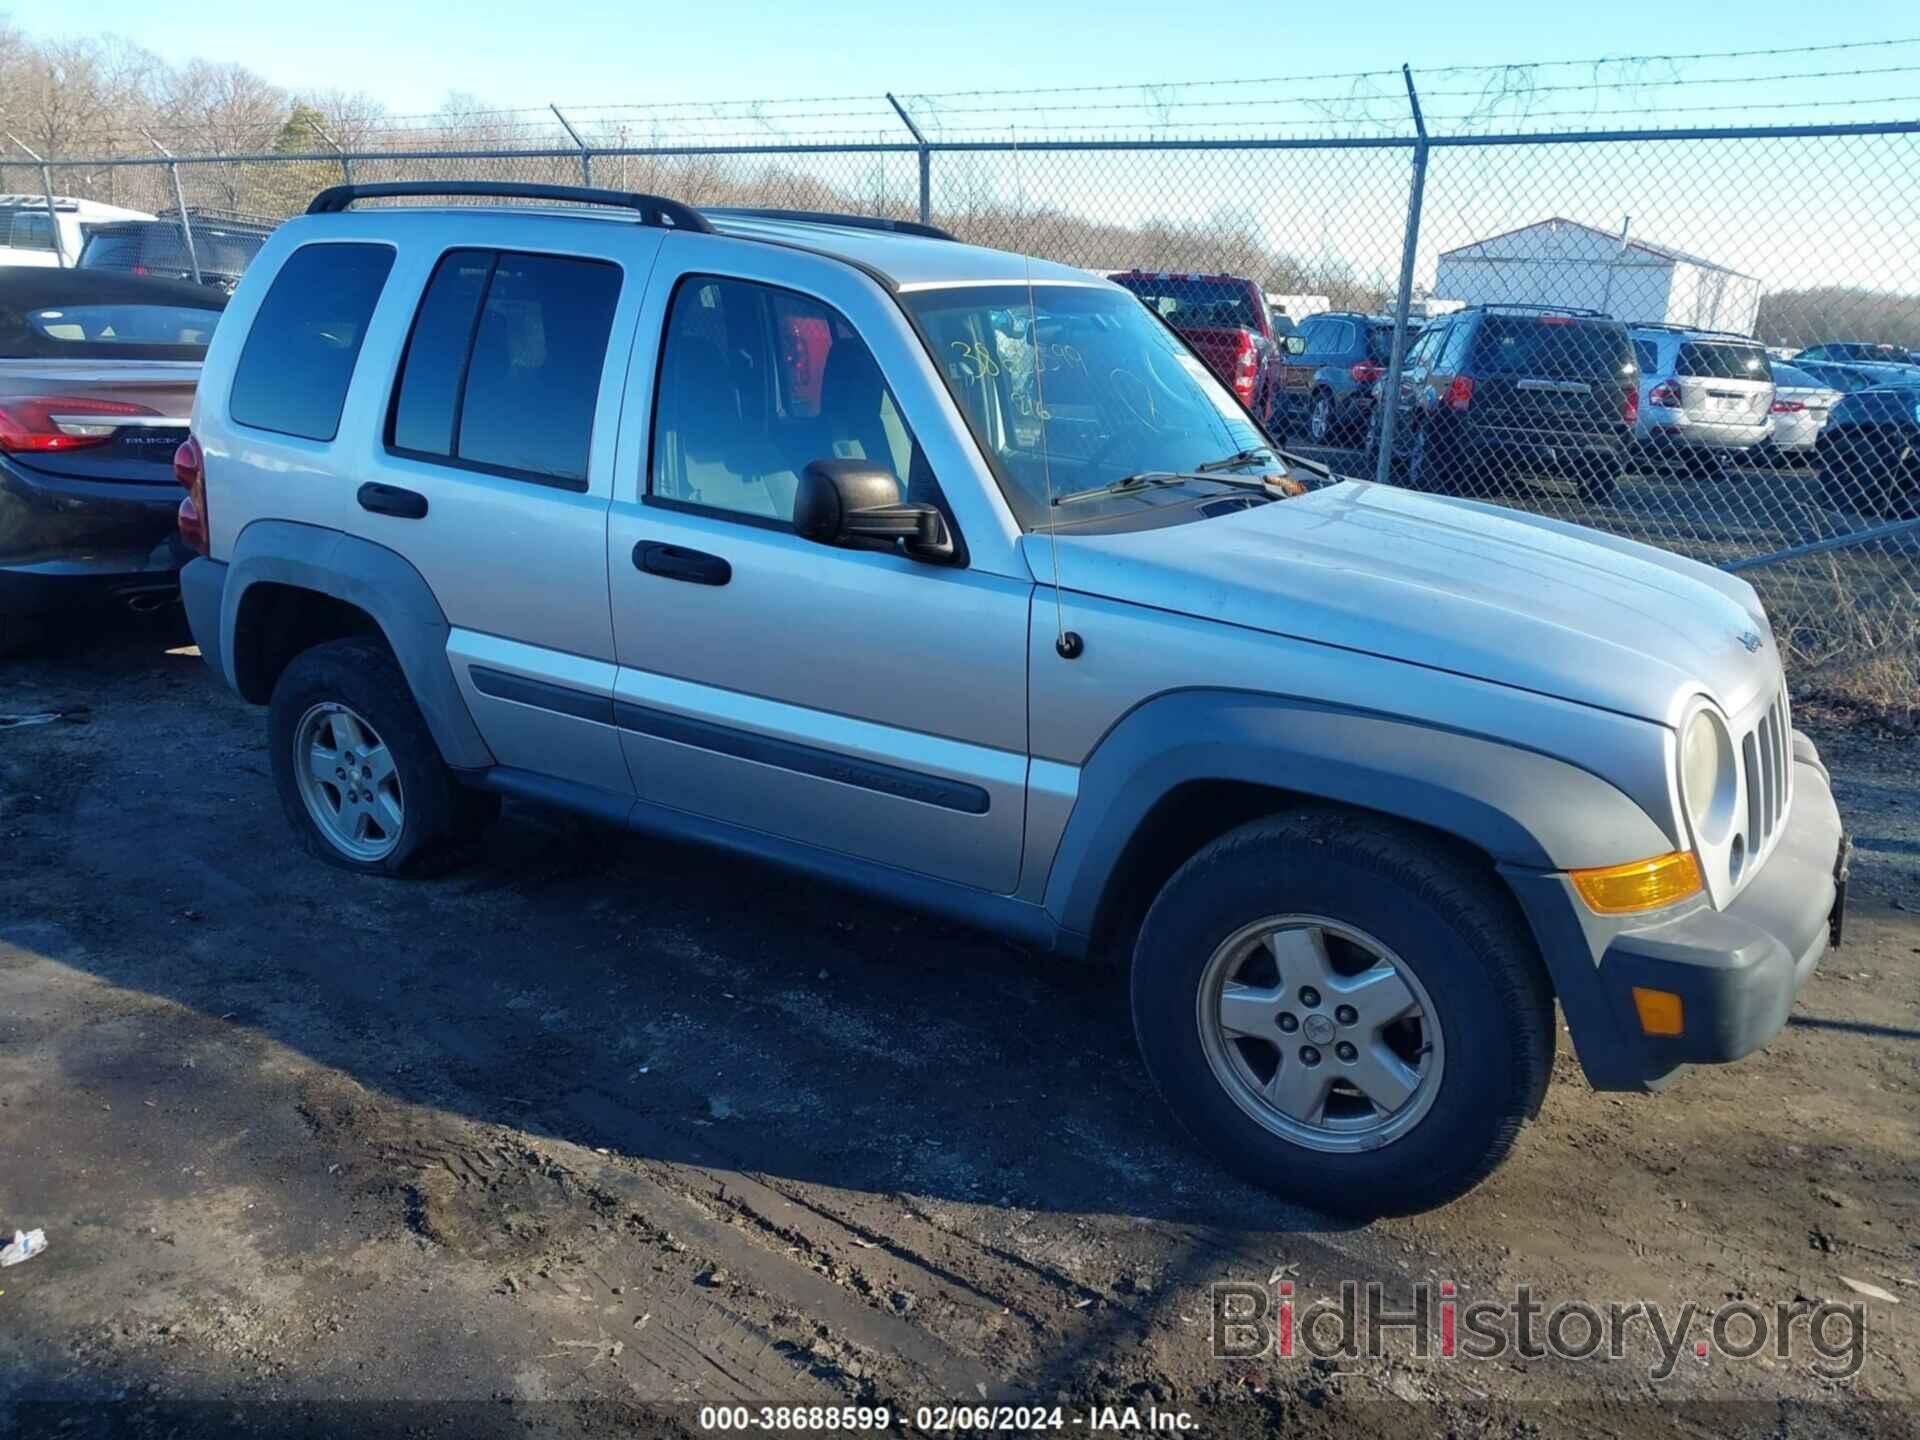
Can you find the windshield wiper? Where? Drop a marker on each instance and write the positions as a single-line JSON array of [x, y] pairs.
[[1145, 480], [1239, 458]]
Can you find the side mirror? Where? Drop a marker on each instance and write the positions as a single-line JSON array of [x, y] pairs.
[[856, 502]]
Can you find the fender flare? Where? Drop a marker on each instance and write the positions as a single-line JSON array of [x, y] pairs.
[[374, 579], [1523, 809]]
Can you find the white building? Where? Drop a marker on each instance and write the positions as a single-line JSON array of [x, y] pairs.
[[1562, 262], [1298, 307]]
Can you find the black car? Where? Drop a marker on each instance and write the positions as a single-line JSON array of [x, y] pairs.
[[1868, 452], [224, 244], [1495, 391], [97, 375], [1327, 374]]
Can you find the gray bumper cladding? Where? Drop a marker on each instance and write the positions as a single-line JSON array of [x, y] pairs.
[[203, 585], [1736, 970]]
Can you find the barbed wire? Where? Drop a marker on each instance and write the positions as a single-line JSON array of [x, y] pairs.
[[1507, 96]]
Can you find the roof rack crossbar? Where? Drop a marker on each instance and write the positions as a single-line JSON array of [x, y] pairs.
[[1679, 329], [652, 209], [1539, 309], [829, 217]]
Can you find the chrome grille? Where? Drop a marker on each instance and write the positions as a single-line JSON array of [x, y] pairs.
[[1767, 754]]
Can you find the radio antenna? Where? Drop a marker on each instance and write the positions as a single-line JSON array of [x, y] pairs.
[[1067, 644]]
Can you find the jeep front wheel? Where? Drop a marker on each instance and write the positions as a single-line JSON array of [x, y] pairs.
[[1343, 1011], [357, 770]]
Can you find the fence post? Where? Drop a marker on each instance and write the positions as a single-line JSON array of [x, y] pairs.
[[1390, 387], [180, 200], [926, 160], [46, 189], [586, 155], [346, 160]]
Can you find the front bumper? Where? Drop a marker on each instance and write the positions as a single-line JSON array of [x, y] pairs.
[[1735, 970]]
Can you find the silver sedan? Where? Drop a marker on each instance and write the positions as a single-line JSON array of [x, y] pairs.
[[1801, 404]]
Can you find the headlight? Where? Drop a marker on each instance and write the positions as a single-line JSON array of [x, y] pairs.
[[1706, 776]]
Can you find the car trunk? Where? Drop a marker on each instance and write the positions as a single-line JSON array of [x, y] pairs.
[[1723, 382], [1551, 374], [140, 449]]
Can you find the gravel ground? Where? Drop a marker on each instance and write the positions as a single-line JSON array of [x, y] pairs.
[[593, 1131]]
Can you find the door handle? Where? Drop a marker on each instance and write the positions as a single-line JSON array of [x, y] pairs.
[[676, 562], [392, 500]]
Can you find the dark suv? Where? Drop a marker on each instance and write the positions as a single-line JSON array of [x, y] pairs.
[[224, 244], [1496, 390], [1328, 372]]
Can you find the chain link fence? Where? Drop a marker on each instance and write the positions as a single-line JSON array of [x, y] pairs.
[[1703, 339]]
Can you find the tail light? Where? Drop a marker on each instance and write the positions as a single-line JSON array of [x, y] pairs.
[[1787, 407], [1460, 393], [1665, 395], [41, 423], [1246, 366], [1556, 319], [1630, 406], [1366, 372], [190, 469]]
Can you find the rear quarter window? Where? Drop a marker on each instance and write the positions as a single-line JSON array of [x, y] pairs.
[[299, 356]]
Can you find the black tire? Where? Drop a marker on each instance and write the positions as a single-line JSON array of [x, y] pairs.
[[1323, 420], [1448, 921], [362, 675], [1424, 470]]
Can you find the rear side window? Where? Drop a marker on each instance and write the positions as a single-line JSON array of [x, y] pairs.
[[31, 231], [298, 360], [1552, 347], [1380, 343], [1714, 360], [502, 371]]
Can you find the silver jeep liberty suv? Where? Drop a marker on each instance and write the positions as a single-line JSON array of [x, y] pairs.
[[954, 577]]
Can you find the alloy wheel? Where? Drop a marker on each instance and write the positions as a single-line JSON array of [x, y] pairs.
[[1320, 1033], [348, 782]]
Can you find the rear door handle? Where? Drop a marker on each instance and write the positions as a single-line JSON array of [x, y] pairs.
[[392, 500], [675, 562]]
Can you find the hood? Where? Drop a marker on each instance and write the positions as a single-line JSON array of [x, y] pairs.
[[1476, 589]]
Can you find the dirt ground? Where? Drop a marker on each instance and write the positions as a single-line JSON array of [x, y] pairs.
[[595, 1131]]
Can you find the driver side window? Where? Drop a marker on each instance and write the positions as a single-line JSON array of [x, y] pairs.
[[755, 384]]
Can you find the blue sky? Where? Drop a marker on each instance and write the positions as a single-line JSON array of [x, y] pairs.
[[410, 55]]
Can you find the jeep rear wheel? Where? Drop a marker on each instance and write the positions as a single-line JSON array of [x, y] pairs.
[[1343, 1011], [357, 770]]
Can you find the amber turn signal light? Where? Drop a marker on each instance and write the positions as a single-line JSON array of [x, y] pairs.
[[1660, 1011], [1639, 884]]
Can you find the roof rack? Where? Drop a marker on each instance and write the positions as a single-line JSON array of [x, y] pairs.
[[1524, 309], [829, 217], [652, 209], [1670, 328]]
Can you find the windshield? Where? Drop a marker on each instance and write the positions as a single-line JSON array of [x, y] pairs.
[[1083, 389], [1193, 304]]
